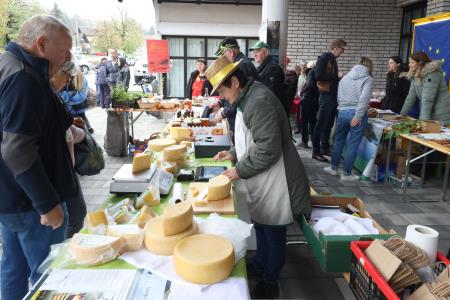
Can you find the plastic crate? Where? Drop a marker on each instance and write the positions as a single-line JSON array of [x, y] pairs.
[[365, 280]]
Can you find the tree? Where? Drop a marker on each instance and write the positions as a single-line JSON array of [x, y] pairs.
[[58, 13]]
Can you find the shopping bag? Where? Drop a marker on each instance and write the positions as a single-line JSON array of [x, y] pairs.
[[89, 158]]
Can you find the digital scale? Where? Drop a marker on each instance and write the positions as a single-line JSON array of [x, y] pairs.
[[124, 181]]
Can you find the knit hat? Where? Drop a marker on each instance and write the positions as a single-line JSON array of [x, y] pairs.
[[219, 71]]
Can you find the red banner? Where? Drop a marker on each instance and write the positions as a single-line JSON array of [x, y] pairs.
[[158, 56]]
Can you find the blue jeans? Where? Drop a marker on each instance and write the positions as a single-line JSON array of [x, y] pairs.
[[325, 121], [354, 134], [271, 251], [26, 243]]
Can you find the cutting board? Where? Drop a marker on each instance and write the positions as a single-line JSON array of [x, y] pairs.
[[224, 206]]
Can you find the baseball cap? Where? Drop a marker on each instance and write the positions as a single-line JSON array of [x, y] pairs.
[[226, 43], [259, 45]]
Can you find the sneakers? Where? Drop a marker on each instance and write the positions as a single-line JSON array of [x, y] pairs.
[[350, 177], [331, 171], [265, 290]]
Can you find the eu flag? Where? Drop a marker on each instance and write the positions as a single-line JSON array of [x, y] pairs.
[[433, 38]]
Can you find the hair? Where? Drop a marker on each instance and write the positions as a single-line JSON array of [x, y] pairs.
[[103, 59], [397, 59], [41, 25], [367, 62], [338, 43], [201, 60], [77, 80], [421, 58], [241, 77]]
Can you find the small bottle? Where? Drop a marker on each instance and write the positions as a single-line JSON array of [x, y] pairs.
[[206, 95]]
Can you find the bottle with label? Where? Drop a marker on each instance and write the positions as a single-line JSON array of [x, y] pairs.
[[206, 95]]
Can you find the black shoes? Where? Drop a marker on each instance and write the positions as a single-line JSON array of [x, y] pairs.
[[319, 157], [326, 153], [265, 290], [305, 145]]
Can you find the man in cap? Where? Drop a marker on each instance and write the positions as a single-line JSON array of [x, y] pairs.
[[269, 166], [270, 73]]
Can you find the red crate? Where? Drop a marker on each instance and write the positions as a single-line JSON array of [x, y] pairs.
[[365, 280]]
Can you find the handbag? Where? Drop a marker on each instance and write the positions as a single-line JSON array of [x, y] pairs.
[[89, 158], [91, 98]]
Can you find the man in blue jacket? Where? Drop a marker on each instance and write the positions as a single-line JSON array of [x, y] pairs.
[[35, 166]]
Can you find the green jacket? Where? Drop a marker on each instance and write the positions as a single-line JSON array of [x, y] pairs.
[[265, 117], [432, 92]]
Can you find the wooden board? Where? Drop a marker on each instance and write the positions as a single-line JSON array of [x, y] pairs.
[[224, 207]]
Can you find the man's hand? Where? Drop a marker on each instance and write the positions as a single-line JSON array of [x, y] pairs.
[[54, 218], [79, 122], [355, 122], [223, 155], [218, 117], [231, 173], [214, 106]]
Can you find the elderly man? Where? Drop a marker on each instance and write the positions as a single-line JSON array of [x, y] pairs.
[[270, 73], [269, 166], [35, 168]]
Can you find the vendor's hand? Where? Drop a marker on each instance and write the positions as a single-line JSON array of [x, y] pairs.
[[223, 155], [54, 218], [355, 122], [218, 117], [215, 105], [231, 173], [79, 122]]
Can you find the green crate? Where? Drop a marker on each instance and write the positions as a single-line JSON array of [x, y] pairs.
[[333, 251]]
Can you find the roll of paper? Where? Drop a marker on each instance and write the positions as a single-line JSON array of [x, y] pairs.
[[425, 238], [178, 193]]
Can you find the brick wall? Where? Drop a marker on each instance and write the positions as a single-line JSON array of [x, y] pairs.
[[370, 27], [437, 6]]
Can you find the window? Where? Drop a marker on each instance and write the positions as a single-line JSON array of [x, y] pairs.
[[410, 13], [184, 51]]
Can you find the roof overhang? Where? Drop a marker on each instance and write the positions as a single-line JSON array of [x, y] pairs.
[[230, 2]]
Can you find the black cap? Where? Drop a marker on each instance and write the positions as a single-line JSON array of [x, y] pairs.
[[226, 43]]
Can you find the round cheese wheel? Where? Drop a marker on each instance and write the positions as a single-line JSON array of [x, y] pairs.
[[91, 249], [204, 258], [218, 188], [159, 145], [157, 243], [177, 218], [174, 153]]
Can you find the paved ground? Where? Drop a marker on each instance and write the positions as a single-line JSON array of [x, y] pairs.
[[302, 277]]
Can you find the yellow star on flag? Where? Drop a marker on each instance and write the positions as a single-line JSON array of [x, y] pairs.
[[430, 48], [437, 51], [442, 60]]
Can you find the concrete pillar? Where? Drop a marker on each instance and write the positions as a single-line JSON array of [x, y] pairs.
[[273, 28]]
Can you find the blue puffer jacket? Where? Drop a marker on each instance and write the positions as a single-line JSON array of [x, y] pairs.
[[75, 101]]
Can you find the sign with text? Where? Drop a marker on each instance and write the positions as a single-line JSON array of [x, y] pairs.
[[158, 56]]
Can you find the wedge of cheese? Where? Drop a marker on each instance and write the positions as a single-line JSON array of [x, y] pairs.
[[91, 249], [150, 197], [143, 216], [187, 143], [96, 218], [132, 236], [156, 242], [179, 133], [168, 166], [141, 162], [159, 145], [204, 258], [174, 153], [218, 188], [177, 218]]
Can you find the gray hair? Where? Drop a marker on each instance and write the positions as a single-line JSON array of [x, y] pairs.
[[41, 25], [69, 68]]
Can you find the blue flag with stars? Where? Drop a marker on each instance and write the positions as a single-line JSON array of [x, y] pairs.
[[433, 38]]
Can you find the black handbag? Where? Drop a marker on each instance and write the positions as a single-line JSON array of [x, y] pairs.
[[89, 158]]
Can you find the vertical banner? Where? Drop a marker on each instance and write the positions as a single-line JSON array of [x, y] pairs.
[[158, 56], [432, 37]]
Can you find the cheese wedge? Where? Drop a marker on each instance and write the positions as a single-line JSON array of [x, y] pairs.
[[143, 216], [141, 162], [174, 153], [132, 236], [168, 166], [218, 188], [194, 190], [187, 143], [150, 197], [96, 218], [156, 242], [200, 202], [179, 133], [91, 249], [177, 218], [159, 145], [204, 258]]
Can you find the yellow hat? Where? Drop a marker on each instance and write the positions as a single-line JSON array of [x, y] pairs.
[[219, 71]]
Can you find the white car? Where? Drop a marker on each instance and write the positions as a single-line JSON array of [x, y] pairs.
[[141, 70], [83, 64]]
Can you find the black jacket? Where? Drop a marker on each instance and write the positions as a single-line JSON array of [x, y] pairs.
[[206, 85], [397, 88], [272, 75], [310, 92], [327, 70]]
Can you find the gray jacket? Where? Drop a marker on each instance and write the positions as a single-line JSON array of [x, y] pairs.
[[264, 116], [432, 92], [355, 91]]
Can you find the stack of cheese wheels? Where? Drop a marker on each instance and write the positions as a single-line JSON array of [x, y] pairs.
[[218, 188], [174, 153], [176, 223], [132, 235], [204, 258], [91, 249], [180, 133], [159, 145]]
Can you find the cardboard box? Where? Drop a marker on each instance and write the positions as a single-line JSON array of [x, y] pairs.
[[333, 251], [430, 126]]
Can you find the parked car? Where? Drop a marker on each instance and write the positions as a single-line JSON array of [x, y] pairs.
[[84, 65], [141, 70]]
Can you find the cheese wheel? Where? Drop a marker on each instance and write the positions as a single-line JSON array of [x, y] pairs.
[[141, 162], [179, 133], [204, 258], [132, 235], [177, 218], [157, 243], [218, 188], [91, 249], [143, 216], [159, 145], [174, 153], [96, 218]]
